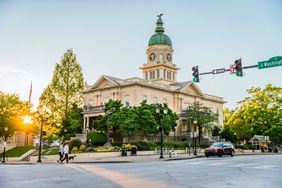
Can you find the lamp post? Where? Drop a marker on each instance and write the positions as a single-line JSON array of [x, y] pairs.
[[40, 139], [161, 129], [108, 113], [194, 137], [5, 143]]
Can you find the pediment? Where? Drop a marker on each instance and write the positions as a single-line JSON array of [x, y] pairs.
[[192, 89], [103, 82]]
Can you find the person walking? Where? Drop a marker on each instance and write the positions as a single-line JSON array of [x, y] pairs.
[[61, 152], [66, 153]]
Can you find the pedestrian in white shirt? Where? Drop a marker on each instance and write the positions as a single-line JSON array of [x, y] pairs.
[[66, 152], [61, 152]]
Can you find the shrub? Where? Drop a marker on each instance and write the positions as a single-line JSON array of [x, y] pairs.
[[176, 144], [97, 138], [82, 147], [245, 146], [68, 135], [75, 143], [143, 146], [130, 146], [74, 149]]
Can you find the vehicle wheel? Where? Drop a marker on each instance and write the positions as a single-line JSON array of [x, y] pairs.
[[232, 153], [207, 155], [220, 154]]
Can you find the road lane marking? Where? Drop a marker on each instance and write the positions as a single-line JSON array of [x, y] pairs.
[[125, 180]]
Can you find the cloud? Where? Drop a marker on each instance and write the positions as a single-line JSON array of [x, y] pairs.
[[14, 80]]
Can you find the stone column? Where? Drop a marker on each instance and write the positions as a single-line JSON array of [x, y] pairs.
[[87, 124]]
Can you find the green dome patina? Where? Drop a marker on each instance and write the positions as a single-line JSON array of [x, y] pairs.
[[159, 38]]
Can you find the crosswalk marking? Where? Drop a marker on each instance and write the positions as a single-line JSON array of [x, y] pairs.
[[256, 165]]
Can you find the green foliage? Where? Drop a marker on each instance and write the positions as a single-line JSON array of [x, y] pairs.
[[75, 143], [130, 146], [68, 135], [74, 150], [82, 147], [245, 146], [11, 110], [64, 91], [96, 138], [128, 121], [75, 121], [275, 134], [216, 131], [257, 113], [228, 134], [176, 144], [144, 146], [201, 114]]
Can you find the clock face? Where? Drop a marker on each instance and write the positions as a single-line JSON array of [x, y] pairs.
[[168, 57], [152, 57]]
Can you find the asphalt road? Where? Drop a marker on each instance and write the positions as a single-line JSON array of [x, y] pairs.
[[239, 171]]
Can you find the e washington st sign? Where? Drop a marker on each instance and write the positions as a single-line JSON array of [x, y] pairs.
[[272, 62]]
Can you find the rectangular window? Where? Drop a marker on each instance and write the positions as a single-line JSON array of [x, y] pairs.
[[106, 99], [145, 98], [126, 101]]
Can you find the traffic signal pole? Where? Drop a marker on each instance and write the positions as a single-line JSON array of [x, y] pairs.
[[237, 68], [223, 70]]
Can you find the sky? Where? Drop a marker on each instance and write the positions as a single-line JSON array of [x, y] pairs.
[[111, 37]]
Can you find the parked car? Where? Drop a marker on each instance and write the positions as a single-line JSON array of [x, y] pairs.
[[220, 149]]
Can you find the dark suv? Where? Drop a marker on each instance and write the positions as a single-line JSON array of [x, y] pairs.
[[220, 149]]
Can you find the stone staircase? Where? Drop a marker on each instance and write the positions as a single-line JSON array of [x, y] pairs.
[[26, 156]]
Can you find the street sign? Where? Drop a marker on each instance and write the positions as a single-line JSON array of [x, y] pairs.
[[232, 69], [272, 62], [218, 71]]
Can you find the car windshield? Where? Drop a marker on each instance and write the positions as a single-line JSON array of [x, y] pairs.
[[216, 145]]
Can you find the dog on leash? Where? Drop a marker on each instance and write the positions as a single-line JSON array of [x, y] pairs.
[[72, 157]]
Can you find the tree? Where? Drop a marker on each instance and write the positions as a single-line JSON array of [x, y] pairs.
[[11, 111], [228, 134], [275, 135], [64, 91], [201, 114], [168, 120], [138, 119], [257, 112], [216, 131], [75, 119]]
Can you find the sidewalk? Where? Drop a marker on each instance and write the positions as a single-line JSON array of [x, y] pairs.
[[145, 158]]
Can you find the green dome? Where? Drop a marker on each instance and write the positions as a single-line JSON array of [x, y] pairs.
[[159, 38]]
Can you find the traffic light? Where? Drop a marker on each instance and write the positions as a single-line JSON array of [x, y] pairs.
[[195, 74], [239, 68]]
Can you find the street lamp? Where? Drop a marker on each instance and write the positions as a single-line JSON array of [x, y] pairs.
[[108, 113], [5, 143], [161, 129], [40, 139], [194, 137]]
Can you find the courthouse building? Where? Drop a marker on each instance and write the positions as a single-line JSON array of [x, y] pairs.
[[158, 85]]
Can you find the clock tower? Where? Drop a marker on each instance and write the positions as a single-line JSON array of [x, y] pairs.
[[159, 66]]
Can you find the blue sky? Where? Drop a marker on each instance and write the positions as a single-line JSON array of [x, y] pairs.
[[111, 37]]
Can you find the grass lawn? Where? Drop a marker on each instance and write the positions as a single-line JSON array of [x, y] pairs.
[[17, 151], [51, 151]]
